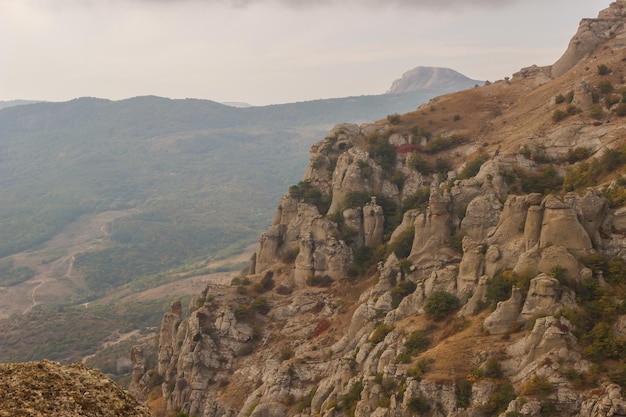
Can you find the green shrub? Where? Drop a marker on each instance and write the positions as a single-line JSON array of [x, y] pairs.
[[473, 166], [558, 115], [260, 305], [419, 369], [493, 368], [286, 353], [319, 281], [544, 181], [440, 304], [611, 100], [309, 194], [418, 405], [605, 87], [560, 98], [417, 162], [462, 392], [538, 386], [403, 243], [439, 143], [419, 200], [394, 119], [578, 154], [618, 375], [353, 396], [398, 179], [596, 112], [499, 287], [365, 168], [603, 69], [442, 167], [569, 97], [497, 402], [382, 152], [380, 332], [417, 342], [572, 110], [399, 292]]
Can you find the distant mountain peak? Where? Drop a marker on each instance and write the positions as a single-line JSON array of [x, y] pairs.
[[420, 78]]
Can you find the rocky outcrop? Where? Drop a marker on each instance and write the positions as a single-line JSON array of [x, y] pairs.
[[336, 318], [591, 33], [42, 389]]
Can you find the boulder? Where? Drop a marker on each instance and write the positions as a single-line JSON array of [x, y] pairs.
[[471, 268], [506, 312], [481, 216], [560, 226], [546, 296]]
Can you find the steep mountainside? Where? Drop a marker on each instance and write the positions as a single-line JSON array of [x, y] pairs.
[[102, 200], [465, 259]]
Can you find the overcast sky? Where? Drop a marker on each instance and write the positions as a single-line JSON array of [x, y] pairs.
[[268, 51]]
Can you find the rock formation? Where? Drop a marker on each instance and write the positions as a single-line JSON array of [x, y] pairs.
[[500, 297], [42, 389]]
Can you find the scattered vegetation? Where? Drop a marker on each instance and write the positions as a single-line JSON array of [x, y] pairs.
[[380, 332], [403, 243], [319, 281], [307, 193], [382, 152], [399, 292], [418, 405], [440, 304], [14, 275], [473, 166], [544, 181]]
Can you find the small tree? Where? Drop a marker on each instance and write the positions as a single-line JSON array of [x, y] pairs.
[[439, 304]]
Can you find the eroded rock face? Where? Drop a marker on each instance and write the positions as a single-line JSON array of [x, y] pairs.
[[43, 389], [591, 33], [432, 231], [505, 313], [560, 227], [546, 296], [318, 350], [481, 216]]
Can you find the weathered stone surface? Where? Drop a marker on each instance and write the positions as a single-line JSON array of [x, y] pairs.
[[373, 223], [432, 231], [546, 296], [560, 226], [481, 216], [43, 389], [471, 268], [505, 313], [558, 257]]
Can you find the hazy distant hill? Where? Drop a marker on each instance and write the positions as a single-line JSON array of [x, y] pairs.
[[96, 194], [186, 178], [420, 78], [11, 103]]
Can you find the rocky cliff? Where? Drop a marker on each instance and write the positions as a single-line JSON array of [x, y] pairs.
[[465, 259]]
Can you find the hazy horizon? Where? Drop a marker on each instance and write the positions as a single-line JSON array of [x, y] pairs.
[[268, 51]]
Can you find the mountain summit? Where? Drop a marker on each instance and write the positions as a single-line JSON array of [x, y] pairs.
[[431, 78]]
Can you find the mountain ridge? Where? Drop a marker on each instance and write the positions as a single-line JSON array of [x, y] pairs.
[[452, 261]]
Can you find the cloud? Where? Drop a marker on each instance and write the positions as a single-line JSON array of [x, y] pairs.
[[306, 4]]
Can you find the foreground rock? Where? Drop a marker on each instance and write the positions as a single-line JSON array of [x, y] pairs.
[[50, 389]]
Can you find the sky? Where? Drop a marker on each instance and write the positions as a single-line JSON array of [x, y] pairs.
[[268, 51]]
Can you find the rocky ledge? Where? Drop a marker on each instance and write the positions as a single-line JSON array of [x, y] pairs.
[[50, 389]]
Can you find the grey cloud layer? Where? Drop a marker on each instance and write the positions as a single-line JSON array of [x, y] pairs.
[[301, 4]]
